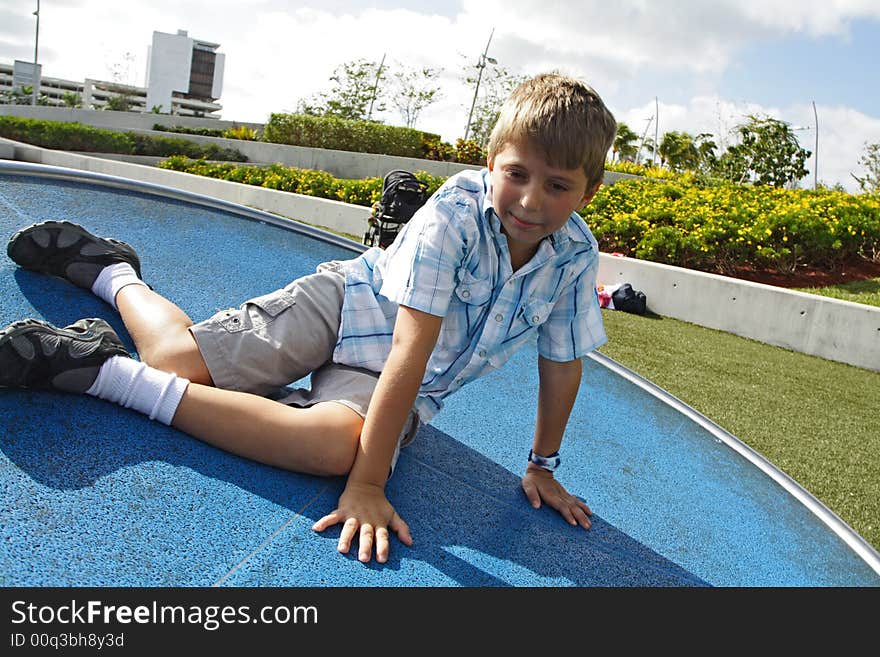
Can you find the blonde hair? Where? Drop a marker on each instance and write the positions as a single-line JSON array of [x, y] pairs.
[[563, 117]]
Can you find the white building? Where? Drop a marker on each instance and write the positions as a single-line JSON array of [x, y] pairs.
[[182, 69], [184, 77]]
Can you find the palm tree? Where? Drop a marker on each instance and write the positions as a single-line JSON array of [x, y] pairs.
[[677, 149], [624, 147]]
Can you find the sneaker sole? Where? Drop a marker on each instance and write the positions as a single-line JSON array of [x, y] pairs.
[[28, 325], [45, 265]]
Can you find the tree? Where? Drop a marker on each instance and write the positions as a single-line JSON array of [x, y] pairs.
[[624, 146], [683, 152], [870, 182], [355, 86], [414, 91], [706, 147], [677, 150], [120, 101], [768, 153], [496, 85], [71, 99]]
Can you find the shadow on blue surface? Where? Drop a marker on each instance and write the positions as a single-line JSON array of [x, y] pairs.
[[463, 528]]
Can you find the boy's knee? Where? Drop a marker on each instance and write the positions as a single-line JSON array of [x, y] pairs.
[[339, 462], [179, 356], [342, 431]]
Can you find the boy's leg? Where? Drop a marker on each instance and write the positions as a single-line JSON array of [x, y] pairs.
[[88, 357], [160, 331], [111, 269], [321, 439]]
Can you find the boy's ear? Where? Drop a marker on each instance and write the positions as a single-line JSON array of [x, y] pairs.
[[490, 162], [589, 194]]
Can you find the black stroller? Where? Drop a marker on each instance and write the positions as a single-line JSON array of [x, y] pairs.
[[402, 195]]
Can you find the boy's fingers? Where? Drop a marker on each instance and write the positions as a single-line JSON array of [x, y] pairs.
[[382, 545], [532, 495], [327, 521], [348, 531], [582, 519], [399, 527], [365, 550], [568, 515]]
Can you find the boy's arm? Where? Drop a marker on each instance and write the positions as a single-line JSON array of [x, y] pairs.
[[363, 506], [559, 382]]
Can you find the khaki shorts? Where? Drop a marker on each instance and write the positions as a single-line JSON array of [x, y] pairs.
[[273, 340]]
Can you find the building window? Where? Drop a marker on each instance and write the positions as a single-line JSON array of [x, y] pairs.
[[201, 77]]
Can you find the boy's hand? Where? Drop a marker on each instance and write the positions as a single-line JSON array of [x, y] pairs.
[[539, 484], [364, 507]]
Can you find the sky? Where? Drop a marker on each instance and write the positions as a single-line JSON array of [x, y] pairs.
[[686, 65]]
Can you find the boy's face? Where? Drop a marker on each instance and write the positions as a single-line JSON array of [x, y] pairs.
[[533, 199]]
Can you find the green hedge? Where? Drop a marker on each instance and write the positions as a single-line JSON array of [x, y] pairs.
[[344, 135], [203, 132], [291, 179], [63, 136]]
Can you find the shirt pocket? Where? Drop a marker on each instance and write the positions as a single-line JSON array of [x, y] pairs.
[[536, 311], [472, 290]]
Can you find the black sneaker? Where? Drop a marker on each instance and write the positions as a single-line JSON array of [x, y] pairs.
[[64, 249], [37, 355]]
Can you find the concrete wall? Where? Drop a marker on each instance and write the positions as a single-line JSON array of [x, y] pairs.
[[833, 329], [836, 330]]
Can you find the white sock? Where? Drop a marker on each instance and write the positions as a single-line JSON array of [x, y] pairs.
[[112, 279], [133, 384]]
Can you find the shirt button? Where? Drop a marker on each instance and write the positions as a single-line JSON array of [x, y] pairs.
[[465, 294], [482, 353], [499, 317], [459, 381], [535, 318]]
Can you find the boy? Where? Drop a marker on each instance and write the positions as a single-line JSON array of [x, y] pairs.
[[494, 258]]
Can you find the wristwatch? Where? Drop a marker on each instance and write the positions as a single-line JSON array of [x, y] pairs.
[[548, 463]]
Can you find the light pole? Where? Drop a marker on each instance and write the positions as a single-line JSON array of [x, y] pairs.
[[656, 128], [816, 153], [481, 64], [376, 87], [35, 82]]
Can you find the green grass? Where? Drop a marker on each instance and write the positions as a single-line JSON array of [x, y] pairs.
[[815, 419], [867, 291]]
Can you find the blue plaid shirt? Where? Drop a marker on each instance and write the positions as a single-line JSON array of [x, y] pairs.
[[451, 260]]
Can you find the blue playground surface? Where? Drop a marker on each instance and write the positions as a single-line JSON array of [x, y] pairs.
[[96, 495]]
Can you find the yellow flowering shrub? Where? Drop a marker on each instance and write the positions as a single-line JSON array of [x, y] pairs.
[[721, 227]]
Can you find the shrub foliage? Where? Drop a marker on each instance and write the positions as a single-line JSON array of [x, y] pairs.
[[78, 137], [343, 134], [721, 227], [298, 181]]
